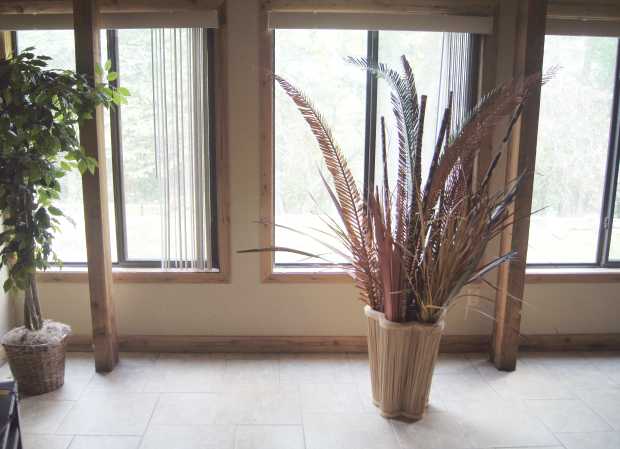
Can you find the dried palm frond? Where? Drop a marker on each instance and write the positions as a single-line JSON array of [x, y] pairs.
[[411, 254]]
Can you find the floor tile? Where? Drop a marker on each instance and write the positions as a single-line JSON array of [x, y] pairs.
[[315, 368], [269, 437], [130, 375], [332, 398], [434, 431], [359, 367], [590, 440], [191, 373], [251, 369], [189, 437], [106, 413], [72, 390], [31, 441], [260, 404], [526, 382], [104, 442], [453, 364], [605, 402], [79, 364], [607, 362], [41, 415], [567, 415], [5, 372], [348, 431], [499, 423], [465, 386], [186, 409]]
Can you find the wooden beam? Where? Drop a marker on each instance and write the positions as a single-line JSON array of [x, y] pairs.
[[456, 7], [597, 10], [107, 6], [87, 51], [266, 90], [529, 42], [6, 44]]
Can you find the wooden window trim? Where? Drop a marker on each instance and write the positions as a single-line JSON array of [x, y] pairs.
[[558, 275], [137, 275], [79, 275]]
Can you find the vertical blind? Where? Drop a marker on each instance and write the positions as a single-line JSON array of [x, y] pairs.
[[181, 143], [457, 77]]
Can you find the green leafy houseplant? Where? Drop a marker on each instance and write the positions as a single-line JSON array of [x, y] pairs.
[[40, 110]]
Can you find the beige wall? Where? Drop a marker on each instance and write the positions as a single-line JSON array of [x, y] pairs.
[[7, 315], [248, 307]]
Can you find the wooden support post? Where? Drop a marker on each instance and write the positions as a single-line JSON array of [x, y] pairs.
[[87, 51], [529, 40], [6, 44]]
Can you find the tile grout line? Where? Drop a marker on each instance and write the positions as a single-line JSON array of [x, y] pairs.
[[148, 424]]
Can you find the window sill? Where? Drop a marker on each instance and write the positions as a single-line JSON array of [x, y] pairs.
[[135, 275], [572, 275], [532, 276]]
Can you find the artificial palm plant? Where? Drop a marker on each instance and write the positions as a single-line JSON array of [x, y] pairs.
[[414, 246]]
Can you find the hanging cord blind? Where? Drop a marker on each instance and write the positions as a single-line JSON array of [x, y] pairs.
[[457, 76], [181, 144]]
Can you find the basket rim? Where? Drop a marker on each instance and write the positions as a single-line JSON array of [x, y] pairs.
[[41, 345]]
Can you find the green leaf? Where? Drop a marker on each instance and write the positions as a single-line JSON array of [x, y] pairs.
[[82, 167], [98, 70], [8, 285], [108, 65], [54, 211], [123, 91], [112, 76]]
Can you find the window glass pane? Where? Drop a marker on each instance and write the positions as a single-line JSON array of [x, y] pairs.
[[423, 51], [313, 60], [614, 248], [573, 139], [70, 242], [142, 210]]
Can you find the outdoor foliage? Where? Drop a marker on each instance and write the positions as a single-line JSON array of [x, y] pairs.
[[40, 111], [413, 248]]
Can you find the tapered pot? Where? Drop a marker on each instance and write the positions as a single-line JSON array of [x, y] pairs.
[[402, 358], [39, 368]]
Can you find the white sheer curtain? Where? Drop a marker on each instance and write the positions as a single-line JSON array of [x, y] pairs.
[[181, 143]]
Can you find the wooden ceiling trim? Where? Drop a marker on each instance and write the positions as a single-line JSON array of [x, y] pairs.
[[430, 7], [107, 6]]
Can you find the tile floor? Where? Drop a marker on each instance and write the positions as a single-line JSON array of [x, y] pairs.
[[322, 401]]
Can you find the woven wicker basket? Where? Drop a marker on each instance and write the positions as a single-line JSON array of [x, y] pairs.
[[37, 369]]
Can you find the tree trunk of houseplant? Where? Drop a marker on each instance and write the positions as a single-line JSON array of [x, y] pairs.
[[36, 351], [402, 358]]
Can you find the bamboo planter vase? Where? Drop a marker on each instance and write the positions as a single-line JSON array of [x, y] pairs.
[[402, 358]]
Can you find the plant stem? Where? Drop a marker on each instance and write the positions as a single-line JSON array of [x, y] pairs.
[[32, 309]]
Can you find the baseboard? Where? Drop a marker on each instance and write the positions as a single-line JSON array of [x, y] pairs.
[[449, 343], [570, 342]]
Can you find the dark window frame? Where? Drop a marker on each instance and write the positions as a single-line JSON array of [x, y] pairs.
[[612, 168], [370, 141], [123, 261]]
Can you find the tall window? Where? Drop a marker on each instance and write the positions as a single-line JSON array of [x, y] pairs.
[[352, 103], [147, 226], [576, 162]]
